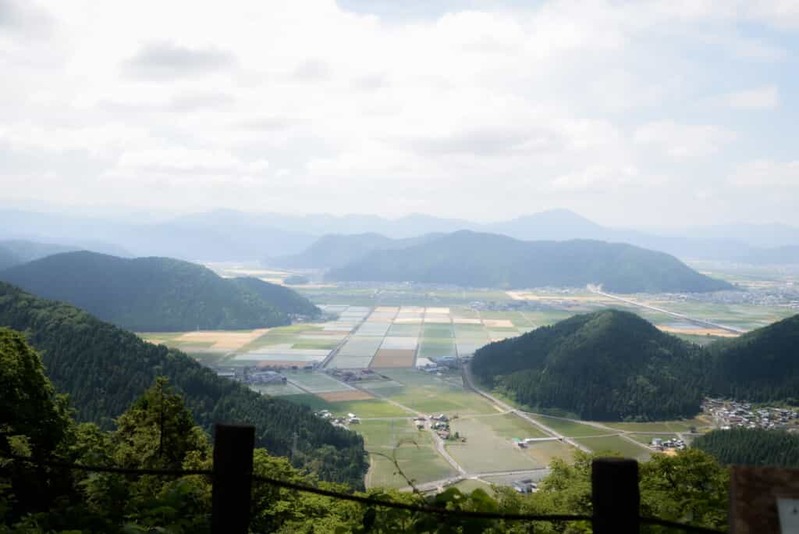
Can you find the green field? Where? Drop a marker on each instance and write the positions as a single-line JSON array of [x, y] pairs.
[[485, 450], [615, 444], [512, 426], [571, 429], [412, 448], [682, 425]]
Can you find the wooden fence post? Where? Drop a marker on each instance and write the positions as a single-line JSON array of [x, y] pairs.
[[615, 496], [232, 478]]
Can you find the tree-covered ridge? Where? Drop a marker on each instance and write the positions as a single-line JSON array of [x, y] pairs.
[[759, 366], [751, 446], [154, 294], [283, 298], [608, 365], [104, 368], [474, 259], [157, 431]]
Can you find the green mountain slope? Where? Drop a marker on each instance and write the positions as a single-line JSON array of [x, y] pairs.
[[762, 365], [486, 260], [104, 368], [283, 298], [337, 250], [608, 365], [152, 294], [751, 446]]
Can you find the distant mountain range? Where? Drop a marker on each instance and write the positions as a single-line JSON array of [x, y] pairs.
[[229, 235], [338, 250], [614, 365], [157, 294], [475, 259], [18, 251]]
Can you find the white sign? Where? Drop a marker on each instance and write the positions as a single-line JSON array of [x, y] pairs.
[[789, 515]]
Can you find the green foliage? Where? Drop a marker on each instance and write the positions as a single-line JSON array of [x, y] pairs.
[[485, 260], [608, 365], [760, 366], [751, 446], [104, 369], [157, 294], [690, 487], [285, 299]]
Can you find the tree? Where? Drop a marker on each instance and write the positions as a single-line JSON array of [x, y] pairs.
[[34, 422]]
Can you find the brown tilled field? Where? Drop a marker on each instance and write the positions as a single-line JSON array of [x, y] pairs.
[[221, 339], [387, 358]]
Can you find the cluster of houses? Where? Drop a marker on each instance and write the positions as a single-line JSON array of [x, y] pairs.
[[660, 444], [341, 422], [251, 375], [438, 424], [730, 414]]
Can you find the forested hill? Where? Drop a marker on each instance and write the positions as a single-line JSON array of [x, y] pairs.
[[608, 365], [760, 366], [155, 294], [336, 250], [104, 368], [474, 259], [751, 446]]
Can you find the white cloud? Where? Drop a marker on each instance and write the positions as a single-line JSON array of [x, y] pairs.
[[765, 97], [472, 111], [682, 141], [767, 173]]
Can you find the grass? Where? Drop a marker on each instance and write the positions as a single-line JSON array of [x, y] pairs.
[[314, 344], [681, 425], [316, 382], [485, 450], [511, 426], [615, 444], [469, 485], [413, 449], [570, 429], [368, 408]]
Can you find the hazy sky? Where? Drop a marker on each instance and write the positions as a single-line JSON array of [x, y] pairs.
[[643, 113]]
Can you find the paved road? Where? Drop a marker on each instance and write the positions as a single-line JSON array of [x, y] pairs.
[[469, 384], [694, 320]]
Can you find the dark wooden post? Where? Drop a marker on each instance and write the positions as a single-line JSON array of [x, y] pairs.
[[232, 479], [615, 496]]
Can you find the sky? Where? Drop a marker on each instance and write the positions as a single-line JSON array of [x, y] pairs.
[[648, 113]]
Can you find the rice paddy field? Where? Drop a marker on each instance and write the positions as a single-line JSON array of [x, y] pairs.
[[365, 362]]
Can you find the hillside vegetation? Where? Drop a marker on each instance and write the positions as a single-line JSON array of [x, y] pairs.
[[613, 365], [104, 368], [751, 446], [760, 366], [157, 294], [474, 259], [608, 365]]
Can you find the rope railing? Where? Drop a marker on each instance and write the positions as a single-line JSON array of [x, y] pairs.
[[230, 510]]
